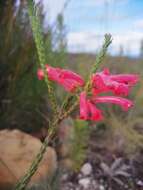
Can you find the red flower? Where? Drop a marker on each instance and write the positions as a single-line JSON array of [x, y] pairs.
[[118, 84], [68, 79], [123, 102], [95, 113], [84, 110], [101, 82], [88, 110], [129, 79], [40, 74]]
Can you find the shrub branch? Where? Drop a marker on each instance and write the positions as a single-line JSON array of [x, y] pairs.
[[37, 32], [38, 37]]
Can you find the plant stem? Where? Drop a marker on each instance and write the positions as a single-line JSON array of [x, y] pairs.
[[39, 41], [21, 185], [99, 58]]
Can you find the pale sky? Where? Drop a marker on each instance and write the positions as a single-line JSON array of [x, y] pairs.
[[88, 20]]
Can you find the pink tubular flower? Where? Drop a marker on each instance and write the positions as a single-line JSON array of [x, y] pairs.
[[95, 113], [68, 79], [40, 74], [123, 102], [88, 110], [53, 73], [84, 110], [118, 84], [129, 79]]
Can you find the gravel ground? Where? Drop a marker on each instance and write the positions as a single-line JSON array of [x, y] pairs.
[[90, 179]]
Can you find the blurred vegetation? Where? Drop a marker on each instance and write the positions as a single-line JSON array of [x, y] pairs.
[[79, 142], [23, 98]]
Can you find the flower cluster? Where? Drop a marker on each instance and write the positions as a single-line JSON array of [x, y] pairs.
[[101, 82]]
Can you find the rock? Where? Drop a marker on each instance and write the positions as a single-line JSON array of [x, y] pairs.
[[84, 182], [95, 184], [64, 177], [101, 187], [17, 151], [140, 183], [66, 163], [79, 176], [70, 186], [86, 169], [36, 187]]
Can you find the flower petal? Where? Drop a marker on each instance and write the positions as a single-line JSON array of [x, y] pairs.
[[84, 109], [71, 75], [53, 73], [40, 74], [95, 113], [118, 84], [69, 85], [68, 79], [123, 102], [130, 79]]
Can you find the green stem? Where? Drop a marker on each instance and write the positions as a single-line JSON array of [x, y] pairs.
[[22, 183], [39, 41], [99, 58], [67, 101]]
